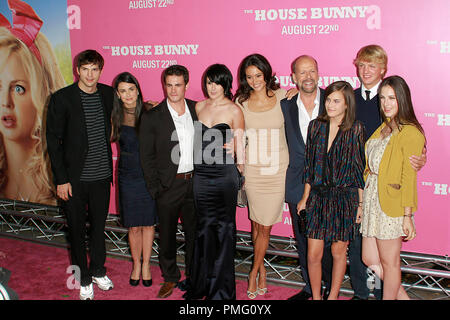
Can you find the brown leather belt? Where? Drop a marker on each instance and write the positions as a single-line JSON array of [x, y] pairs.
[[185, 176]]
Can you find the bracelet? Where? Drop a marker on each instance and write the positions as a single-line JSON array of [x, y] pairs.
[[408, 215]]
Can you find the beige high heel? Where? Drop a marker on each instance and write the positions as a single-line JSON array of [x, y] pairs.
[[252, 295], [261, 291]]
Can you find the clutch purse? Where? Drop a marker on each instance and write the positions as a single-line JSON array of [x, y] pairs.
[[302, 221], [241, 196]]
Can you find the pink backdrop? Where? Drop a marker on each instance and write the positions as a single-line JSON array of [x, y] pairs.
[[146, 36]]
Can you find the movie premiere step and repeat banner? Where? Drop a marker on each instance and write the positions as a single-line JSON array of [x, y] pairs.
[[146, 36]]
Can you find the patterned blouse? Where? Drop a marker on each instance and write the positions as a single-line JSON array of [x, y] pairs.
[[345, 162]]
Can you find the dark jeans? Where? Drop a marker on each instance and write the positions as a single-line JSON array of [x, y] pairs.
[[302, 247], [176, 202], [91, 198]]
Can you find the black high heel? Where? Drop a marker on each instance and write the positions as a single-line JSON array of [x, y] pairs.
[[147, 283], [135, 283]]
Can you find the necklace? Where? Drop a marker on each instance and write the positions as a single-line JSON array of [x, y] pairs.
[[130, 110]]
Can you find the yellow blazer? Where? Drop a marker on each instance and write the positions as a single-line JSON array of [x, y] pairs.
[[397, 180]]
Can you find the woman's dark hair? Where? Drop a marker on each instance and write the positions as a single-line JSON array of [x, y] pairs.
[[260, 62], [221, 75], [405, 114], [118, 109], [349, 97]]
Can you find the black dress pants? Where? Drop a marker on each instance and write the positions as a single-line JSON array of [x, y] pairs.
[[176, 202], [89, 202]]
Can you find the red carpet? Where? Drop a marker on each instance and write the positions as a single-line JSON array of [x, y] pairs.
[[38, 272]]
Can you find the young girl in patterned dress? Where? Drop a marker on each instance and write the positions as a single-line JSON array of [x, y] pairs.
[[334, 184]]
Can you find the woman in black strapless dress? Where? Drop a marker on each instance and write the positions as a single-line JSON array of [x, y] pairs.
[[137, 207], [215, 186]]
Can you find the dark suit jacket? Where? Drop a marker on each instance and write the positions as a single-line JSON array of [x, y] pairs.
[[296, 145], [156, 144], [66, 133]]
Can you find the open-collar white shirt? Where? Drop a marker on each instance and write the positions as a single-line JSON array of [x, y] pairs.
[[373, 90], [185, 132], [303, 117]]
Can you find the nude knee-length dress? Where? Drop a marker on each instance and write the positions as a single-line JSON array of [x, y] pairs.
[[267, 159]]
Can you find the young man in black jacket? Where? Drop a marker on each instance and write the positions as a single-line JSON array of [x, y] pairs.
[[78, 141]]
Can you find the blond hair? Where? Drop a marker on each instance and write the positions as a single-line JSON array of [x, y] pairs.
[[44, 79], [372, 53]]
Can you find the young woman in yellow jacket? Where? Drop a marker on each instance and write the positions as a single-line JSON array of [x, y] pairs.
[[390, 194]]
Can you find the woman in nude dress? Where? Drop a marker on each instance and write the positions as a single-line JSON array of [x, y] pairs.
[[266, 160]]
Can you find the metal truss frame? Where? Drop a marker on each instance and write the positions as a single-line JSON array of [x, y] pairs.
[[46, 224]]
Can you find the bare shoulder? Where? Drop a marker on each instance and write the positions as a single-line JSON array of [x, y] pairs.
[[280, 94], [234, 107], [200, 105]]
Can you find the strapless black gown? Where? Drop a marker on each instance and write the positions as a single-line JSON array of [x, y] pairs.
[[215, 193]]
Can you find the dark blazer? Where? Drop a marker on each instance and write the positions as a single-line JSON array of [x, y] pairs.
[[294, 174], [156, 144], [67, 141]]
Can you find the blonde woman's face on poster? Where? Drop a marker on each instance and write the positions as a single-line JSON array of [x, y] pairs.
[[17, 112]]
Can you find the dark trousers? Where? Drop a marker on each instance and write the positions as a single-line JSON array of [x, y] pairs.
[[176, 202], [89, 201], [302, 247]]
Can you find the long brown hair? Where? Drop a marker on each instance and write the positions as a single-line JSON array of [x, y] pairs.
[[259, 61], [349, 97], [405, 114], [118, 108]]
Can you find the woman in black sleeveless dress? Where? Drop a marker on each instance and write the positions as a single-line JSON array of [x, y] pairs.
[[215, 186], [137, 207]]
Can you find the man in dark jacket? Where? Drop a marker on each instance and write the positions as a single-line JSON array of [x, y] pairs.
[[166, 140], [298, 112], [78, 141]]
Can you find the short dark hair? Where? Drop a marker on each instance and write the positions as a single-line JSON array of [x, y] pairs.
[[176, 70], [259, 61], [221, 75], [350, 102], [88, 57]]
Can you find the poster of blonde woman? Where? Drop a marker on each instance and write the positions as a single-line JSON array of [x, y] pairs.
[[35, 61]]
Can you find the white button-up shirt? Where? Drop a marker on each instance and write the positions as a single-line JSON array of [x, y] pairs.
[[373, 91], [185, 132], [303, 117]]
